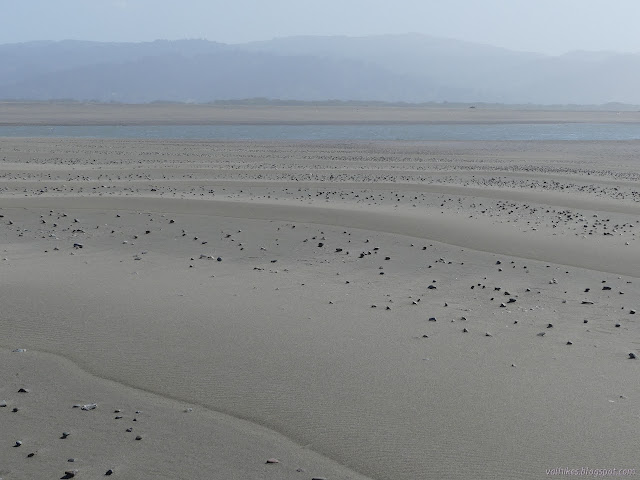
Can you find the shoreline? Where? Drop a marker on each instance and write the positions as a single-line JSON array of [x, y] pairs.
[[45, 114]]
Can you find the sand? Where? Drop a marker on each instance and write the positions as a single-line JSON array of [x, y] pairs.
[[60, 113], [389, 311]]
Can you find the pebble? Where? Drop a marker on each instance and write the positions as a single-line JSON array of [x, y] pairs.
[[273, 460], [64, 435], [18, 443], [109, 472], [3, 403], [23, 390], [138, 437], [632, 356], [70, 473]]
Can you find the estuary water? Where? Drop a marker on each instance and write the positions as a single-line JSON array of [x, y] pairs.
[[563, 131]]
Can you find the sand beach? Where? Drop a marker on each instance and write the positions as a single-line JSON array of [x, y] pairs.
[[307, 310]]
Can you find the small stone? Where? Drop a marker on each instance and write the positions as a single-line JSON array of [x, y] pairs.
[[71, 460], [569, 343], [542, 334], [138, 437], [617, 325], [632, 356], [487, 334], [18, 444], [22, 350], [31, 455], [587, 302], [273, 460], [15, 409], [89, 406], [465, 330], [3, 403], [64, 435], [23, 390], [219, 259], [550, 325], [110, 471], [632, 312], [129, 430], [432, 319], [70, 473]]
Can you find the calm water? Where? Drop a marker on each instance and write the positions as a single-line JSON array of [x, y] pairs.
[[570, 131]]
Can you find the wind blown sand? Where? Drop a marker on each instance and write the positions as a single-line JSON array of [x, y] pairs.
[[298, 310]]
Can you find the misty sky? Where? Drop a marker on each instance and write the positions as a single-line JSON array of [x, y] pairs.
[[546, 26]]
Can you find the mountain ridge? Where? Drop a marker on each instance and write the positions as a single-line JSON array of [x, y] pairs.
[[412, 68]]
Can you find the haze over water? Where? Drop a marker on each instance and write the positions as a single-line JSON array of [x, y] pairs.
[[571, 131]]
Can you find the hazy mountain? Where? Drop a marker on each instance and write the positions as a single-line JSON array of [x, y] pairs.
[[412, 68]]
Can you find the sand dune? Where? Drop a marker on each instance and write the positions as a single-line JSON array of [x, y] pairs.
[[470, 324]]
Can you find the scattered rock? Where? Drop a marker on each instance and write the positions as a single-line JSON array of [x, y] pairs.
[[272, 460], [632, 356], [110, 471]]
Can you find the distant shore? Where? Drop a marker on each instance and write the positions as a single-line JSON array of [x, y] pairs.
[[42, 113]]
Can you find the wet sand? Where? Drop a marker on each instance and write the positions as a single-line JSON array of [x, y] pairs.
[[388, 310], [16, 113]]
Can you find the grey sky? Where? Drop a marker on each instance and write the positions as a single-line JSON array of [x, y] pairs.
[[547, 26]]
